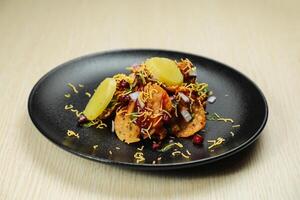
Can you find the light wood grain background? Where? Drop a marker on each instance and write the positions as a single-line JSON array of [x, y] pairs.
[[259, 38]]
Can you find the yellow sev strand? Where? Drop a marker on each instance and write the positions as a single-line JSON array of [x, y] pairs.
[[101, 125], [139, 156], [120, 77], [77, 113], [121, 111], [156, 115], [73, 87], [166, 112], [71, 133], [152, 91], [140, 148], [225, 120], [157, 121], [187, 151], [217, 117], [67, 107], [216, 142], [185, 156], [143, 130], [174, 153], [149, 109], [148, 94], [88, 94], [70, 107]]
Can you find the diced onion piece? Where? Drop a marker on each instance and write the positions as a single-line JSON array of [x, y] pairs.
[[134, 96], [186, 115], [112, 126], [193, 72], [141, 103], [164, 70], [135, 66], [100, 99], [184, 97], [211, 99]]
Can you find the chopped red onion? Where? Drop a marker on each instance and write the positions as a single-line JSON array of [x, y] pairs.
[[186, 115], [134, 96], [184, 97]]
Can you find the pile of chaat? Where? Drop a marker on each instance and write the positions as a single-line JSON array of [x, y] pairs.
[[159, 97]]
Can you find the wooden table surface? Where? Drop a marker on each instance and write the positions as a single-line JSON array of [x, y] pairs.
[[259, 38]]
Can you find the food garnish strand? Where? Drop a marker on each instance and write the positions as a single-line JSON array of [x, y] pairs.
[[73, 87], [71, 133], [216, 142]]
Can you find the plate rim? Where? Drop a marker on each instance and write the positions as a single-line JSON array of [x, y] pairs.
[[149, 166]]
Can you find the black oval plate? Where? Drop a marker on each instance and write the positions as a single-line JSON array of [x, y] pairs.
[[237, 98]]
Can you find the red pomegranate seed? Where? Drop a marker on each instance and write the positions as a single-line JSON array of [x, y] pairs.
[[166, 118], [155, 146], [197, 139], [124, 84]]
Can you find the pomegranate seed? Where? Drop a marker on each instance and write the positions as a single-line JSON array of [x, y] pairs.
[[82, 119], [124, 99], [166, 118], [197, 139], [124, 84], [155, 146]]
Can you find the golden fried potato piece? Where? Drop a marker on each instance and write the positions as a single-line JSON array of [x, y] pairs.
[[125, 129], [177, 88], [159, 100], [198, 122]]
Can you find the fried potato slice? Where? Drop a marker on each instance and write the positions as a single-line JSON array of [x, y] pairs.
[[177, 88], [159, 100], [126, 130], [198, 122]]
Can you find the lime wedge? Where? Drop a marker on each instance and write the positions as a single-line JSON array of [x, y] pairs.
[[164, 70], [100, 99]]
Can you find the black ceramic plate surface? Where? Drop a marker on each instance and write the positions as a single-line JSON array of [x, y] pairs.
[[237, 98]]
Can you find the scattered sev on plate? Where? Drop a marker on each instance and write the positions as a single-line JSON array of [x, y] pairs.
[[217, 117], [68, 95], [88, 94], [71, 108], [139, 157], [73, 87], [216, 142], [71, 133]]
